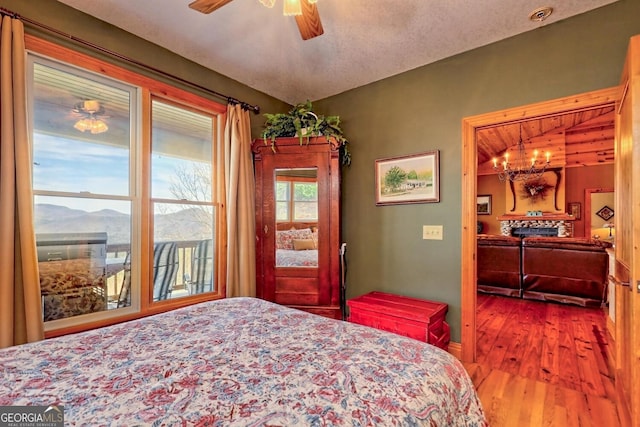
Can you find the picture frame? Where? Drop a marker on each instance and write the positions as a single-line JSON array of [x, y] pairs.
[[483, 204], [574, 209], [605, 213], [408, 179]]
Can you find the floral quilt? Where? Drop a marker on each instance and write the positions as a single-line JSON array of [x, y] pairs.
[[241, 362], [287, 258]]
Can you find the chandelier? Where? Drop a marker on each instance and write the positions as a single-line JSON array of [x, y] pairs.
[[290, 7], [522, 168]]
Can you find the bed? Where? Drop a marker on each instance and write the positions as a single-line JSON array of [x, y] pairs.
[[241, 362], [297, 248], [296, 258]]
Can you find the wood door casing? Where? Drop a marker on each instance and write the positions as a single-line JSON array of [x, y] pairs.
[[470, 125], [627, 250], [627, 185], [588, 208]]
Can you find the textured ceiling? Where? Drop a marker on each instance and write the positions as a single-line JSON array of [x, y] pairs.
[[363, 41]]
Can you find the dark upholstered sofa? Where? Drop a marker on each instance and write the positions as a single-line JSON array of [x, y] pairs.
[[560, 269], [568, 270], [499, 269]]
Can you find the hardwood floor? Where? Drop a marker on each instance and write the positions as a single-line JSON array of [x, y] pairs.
[[543, 364]]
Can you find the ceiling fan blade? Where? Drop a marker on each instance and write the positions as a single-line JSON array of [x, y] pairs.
[[208, 6], [309, 22]]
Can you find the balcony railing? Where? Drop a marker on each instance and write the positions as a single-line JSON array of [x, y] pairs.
[[116, 258]]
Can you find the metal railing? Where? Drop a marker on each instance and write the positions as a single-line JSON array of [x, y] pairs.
[[116, 258]]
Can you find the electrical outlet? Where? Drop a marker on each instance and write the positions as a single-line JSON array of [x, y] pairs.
[[432, 232]]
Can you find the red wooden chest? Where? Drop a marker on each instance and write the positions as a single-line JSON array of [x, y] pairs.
[[415, 318]]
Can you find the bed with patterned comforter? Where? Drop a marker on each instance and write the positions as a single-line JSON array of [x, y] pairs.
[[241, 362]]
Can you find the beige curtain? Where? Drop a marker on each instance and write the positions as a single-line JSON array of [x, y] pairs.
[[240, 204], [20, 306]]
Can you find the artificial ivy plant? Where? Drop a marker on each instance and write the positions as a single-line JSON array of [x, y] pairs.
[[302, 122]]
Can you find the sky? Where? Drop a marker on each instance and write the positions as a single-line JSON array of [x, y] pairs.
[[78, 166]]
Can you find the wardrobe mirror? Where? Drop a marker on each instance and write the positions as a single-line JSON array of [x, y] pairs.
[[296, 206]]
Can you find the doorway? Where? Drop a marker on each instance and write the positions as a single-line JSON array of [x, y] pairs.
[[470, 126]]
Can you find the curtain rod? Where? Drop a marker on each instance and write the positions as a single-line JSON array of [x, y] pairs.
[[231, 100]]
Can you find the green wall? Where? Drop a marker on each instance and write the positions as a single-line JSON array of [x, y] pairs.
[[422, 110], [68, 20]]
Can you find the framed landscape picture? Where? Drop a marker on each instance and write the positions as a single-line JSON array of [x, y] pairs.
[[484, 204], [408, 179]]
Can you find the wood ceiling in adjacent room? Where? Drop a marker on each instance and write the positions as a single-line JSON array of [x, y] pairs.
[[580, 138]]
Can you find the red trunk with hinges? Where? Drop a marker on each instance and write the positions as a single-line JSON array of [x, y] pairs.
[[411, 317]]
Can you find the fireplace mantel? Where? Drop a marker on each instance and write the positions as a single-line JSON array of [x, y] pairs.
[[544, 217], [562, 223]]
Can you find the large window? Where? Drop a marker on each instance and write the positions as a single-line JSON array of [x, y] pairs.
[[125, 213]]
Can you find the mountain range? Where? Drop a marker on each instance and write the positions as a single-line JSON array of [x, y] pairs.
[[186, 224]]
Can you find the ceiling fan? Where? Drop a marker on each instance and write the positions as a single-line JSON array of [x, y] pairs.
[[305, 12], [90, 114]]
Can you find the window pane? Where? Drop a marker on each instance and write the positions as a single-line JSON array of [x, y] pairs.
[[305, 191], [305, 211], [82, 128], [183, 232], [181, 141], [68, 158], [183, 261], [282, 200], [305, 201], [82, 247]]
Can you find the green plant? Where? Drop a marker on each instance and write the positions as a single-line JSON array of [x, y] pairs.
[[302, 122]]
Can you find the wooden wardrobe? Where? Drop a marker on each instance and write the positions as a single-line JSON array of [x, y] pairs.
[[298, 224]]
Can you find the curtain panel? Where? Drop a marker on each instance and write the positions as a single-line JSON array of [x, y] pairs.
[[240, 203], [20, 302]]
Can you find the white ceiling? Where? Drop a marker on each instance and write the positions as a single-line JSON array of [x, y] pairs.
[[363, 41]]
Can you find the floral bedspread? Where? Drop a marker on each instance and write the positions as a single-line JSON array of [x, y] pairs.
[[241, 362], [289, 258]]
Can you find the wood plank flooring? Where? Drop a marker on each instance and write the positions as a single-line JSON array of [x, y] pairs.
[[543, 364]]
